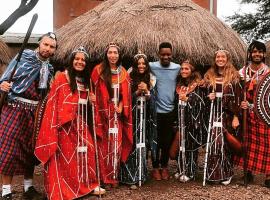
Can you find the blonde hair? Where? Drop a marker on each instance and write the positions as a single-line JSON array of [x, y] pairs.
[[230, 74]]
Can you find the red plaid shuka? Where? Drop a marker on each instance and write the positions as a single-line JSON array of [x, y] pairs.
[[16, 129], [257, 137]]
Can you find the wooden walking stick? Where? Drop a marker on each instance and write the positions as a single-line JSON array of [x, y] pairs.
[[208, 140], [27, 36], [245, 129], [95, 139]]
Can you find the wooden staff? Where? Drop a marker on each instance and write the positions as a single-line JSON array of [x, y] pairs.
[[208, 141], [95, 139], [26, 38], [245, 129]]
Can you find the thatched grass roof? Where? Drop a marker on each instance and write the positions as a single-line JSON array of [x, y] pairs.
[[4, 56], [4, 53], [144, 24], [268, 53]]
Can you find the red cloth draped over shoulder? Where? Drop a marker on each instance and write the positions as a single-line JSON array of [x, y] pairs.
[[103, 104], [56, 114], [65, 174]]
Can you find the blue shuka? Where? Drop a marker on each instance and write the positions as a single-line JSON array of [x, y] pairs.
[[29, 69]]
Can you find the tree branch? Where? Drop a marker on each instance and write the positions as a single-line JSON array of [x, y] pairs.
[[25, 7], [253, 25]]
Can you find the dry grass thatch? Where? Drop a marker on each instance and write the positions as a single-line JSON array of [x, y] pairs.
[[143, 24], [4, 53], [4, 56], [268, 53]]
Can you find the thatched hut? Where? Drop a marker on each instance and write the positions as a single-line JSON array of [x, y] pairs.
[[268, 53], [4, 56], [143, 24]]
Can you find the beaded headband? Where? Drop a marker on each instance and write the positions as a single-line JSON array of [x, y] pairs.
[[222, 50], [113, 44], [81, 49], [140, 54]]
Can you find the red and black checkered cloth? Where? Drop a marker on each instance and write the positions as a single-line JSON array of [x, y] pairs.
[[256, 141], [16, 128]]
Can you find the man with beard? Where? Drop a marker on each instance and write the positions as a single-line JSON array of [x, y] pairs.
[[29, 85], [166, 73], [257, 136]]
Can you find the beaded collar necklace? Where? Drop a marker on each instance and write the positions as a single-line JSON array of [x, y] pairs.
[[116, 71]]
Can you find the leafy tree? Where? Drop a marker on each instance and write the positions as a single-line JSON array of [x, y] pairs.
[[253, 26], [25, 7]]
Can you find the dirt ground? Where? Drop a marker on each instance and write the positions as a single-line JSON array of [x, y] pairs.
[[172, 189]]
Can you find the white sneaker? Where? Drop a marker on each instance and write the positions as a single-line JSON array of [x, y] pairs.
[[177, 175], [227, 182], [133, 187], [98, 191], [184, 178]]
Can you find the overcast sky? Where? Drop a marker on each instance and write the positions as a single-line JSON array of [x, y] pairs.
[[44, 8]]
